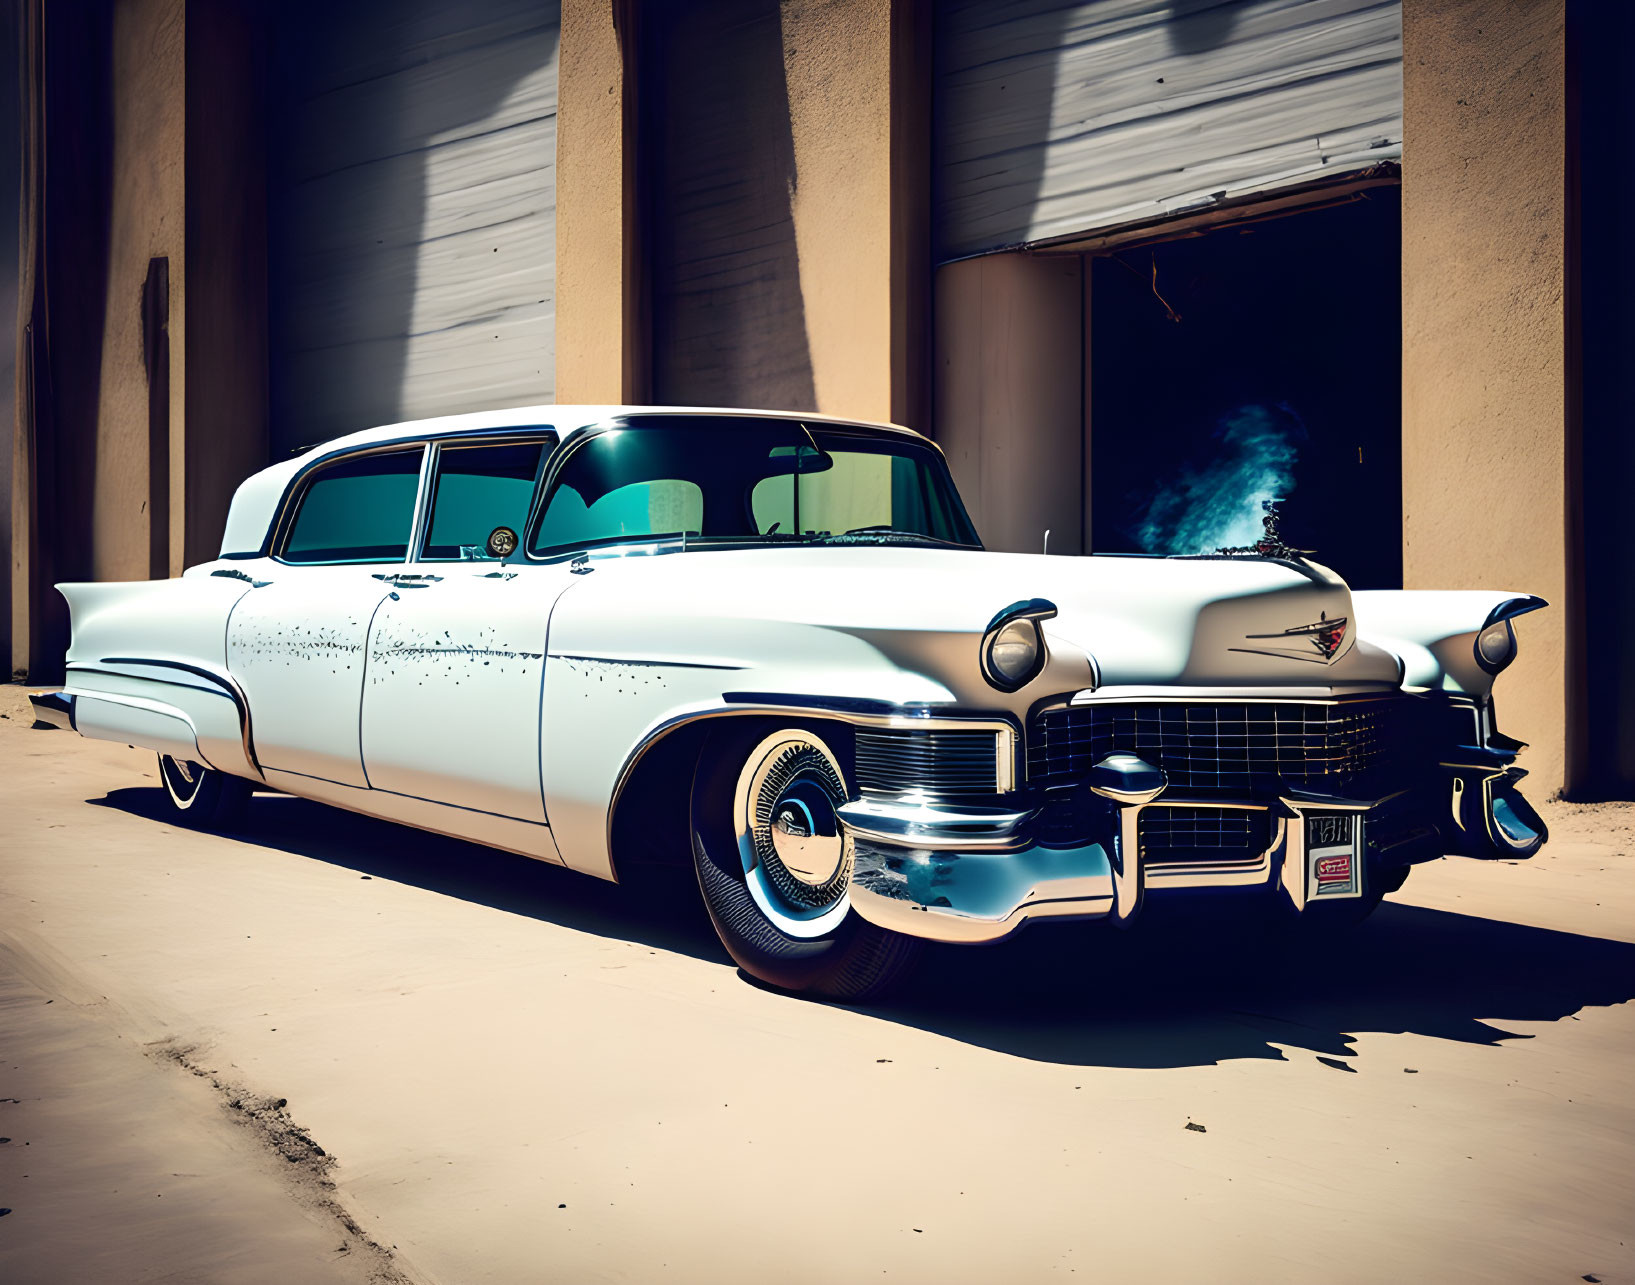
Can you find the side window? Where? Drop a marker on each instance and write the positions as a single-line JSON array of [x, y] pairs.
[[360, 510], [479, 488]]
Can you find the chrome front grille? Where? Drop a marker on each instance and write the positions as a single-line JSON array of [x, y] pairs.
[[1236, 750], [1184, 835], [942, 764]]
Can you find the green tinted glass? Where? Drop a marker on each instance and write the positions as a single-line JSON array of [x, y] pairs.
[[360, 510], [479, 488]]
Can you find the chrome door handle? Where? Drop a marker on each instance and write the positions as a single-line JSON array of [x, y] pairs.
[[407, 581]]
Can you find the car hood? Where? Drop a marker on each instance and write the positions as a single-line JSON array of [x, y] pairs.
[[1121, 621]]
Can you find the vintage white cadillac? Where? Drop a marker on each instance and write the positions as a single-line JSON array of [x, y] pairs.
[[598, 635]]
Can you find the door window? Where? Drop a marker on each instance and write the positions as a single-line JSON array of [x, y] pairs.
[[478, 489], [360, 510]]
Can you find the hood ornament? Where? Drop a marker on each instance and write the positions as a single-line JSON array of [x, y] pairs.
[[1271, 543], [1322, 635]]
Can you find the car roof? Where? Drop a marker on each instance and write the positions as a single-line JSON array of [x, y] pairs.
[[567, 421], [256, 502]]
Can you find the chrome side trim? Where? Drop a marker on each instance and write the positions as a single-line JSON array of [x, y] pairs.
[[226, 683]]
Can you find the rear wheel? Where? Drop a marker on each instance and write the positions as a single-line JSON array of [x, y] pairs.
[[201, 796], [775, 864]]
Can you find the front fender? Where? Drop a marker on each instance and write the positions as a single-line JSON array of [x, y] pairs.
[[1432, 632]]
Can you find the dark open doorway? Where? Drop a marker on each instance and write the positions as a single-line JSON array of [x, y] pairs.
[[1247, 364]]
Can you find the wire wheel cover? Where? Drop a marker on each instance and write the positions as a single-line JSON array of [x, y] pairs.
[[797, 838]]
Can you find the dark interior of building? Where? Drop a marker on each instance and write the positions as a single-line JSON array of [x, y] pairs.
[[1254, 363]]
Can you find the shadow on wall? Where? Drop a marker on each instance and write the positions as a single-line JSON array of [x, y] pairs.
[[67, 71], [1078, 994], [11, 125], [729, 319], [412, 224], [968, 50], [1197, 26]]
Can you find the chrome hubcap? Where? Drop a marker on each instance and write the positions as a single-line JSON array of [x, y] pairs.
[[806, 835], [787, 825], [182, 777]]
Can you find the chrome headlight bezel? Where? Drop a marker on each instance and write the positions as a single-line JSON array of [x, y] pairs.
[[1019, 616]]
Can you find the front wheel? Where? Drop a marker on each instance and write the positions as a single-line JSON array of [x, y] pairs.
[[775, 865], [201, 796]]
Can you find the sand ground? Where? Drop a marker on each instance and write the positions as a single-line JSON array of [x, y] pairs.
[[496, 1071]]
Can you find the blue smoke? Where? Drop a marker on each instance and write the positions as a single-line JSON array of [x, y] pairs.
[[1217, 502]]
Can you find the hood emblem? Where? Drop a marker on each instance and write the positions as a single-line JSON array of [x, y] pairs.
[[1322, 636]]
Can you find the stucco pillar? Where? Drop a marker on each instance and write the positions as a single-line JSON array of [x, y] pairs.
[[1486, 448], [147, 220], [858, 77], [600, 326], [1009, 396]]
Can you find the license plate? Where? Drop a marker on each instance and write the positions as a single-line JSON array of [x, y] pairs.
[[1333, 855]]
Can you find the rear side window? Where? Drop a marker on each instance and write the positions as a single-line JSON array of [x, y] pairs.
[[477, 490], [360, 510]]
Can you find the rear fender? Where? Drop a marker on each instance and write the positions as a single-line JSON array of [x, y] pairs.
[[147, 666]]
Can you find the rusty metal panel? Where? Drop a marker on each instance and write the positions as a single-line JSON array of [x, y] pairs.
[[1055, 120], [413, 229]]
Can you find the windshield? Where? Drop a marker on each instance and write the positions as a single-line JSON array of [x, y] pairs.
[[750, 481]]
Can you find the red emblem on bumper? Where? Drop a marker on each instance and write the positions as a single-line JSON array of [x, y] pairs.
[[1334, 869]]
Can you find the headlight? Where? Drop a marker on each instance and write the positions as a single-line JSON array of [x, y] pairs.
[[1013, 646], [1496, 646], [1014, 650]]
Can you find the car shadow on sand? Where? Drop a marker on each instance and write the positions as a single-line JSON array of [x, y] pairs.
[[660, 908], [1181, 989], [1186, 986]]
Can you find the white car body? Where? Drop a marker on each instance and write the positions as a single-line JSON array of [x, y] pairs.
[[555, 706]]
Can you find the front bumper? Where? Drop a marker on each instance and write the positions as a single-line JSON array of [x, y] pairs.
[[978, 875]]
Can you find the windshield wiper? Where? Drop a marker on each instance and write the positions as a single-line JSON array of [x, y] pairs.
[[882, 535]]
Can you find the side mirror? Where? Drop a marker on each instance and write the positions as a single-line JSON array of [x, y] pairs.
[[502, 542]]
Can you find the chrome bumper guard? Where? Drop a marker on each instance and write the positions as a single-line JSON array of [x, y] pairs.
[[978, 875], [53, 709], [1488, 817]]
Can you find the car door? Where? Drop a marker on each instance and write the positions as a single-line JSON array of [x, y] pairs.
[[297, 641], [451, 705]]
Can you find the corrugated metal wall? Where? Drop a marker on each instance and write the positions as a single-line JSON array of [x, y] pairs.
[[1054, 119], [413, 219], [729, 317]]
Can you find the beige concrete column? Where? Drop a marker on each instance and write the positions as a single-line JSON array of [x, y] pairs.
[[600, 327], [1485, 433], [148, 219], [1009, 396], [858, 77]]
